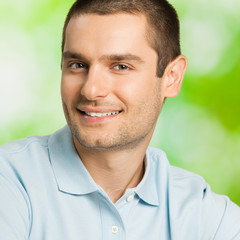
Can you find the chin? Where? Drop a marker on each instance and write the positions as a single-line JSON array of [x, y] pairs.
[[90, 143]]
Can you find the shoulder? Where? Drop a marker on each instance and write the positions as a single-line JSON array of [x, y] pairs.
[[19, 156], [21, 145], [218, 216], [26, 157], [191, 200], [215, 215], [187, 182], [17, 173]]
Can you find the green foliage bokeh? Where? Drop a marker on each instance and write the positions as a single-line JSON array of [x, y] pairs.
[[199, 130]]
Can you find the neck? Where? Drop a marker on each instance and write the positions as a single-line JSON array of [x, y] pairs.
[[114, 171]]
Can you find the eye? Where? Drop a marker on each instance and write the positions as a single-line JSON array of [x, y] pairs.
[[77, 65], [121, 67]]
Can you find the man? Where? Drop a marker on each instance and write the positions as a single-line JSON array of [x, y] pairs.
[[96, 178]]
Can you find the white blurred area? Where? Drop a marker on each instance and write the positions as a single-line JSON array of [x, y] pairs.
[[30, 73], [17, 68], [206, 41], [205, 33], [29, 83]]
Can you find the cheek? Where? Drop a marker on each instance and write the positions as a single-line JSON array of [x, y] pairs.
[[136, 90], [69, 89]]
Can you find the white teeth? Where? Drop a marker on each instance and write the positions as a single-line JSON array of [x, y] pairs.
[[94, 114]]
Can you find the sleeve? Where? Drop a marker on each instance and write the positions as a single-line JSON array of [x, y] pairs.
[[221, 217], [14, 207]]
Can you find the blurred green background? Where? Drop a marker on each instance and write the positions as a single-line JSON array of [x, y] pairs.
[[199, 130]]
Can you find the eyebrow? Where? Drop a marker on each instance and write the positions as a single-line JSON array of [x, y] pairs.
[[111, 57], [73, 55], [122, 57]]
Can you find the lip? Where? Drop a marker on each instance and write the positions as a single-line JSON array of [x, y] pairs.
[[98, 110]]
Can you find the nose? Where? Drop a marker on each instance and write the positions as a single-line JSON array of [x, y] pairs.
[[96, 84]]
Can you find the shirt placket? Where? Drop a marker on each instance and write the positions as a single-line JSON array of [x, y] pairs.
[[114, 216]]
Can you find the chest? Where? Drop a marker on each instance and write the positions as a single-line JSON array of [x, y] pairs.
[[93, 217]]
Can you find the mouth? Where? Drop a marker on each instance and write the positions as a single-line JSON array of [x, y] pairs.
[[93, 116], [101, 114]]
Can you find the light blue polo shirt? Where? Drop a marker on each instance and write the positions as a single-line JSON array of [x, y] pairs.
[[46, 193]]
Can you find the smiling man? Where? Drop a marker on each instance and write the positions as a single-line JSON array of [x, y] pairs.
[[97, 178]]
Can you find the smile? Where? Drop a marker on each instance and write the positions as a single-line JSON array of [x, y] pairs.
[[98, 114]]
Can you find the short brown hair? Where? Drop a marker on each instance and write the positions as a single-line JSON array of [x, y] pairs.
[[163, 24]]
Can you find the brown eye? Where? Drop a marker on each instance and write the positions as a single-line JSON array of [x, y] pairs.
[[121, 67], [77, 65]]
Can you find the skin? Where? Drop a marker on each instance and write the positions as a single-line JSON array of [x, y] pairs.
[[109, 66]]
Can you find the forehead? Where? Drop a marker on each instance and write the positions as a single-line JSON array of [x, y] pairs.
[[108, 32], [108, 21]]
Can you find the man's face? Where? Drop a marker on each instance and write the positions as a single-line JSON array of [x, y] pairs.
[[110, 93]]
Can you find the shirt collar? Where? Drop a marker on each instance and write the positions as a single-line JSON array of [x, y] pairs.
[[70, 173], [72, 177], [147, 189]]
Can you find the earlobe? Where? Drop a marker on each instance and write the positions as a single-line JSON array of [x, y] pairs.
[[174, 74]]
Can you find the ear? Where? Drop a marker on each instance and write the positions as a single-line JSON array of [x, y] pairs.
[[173, 76]]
